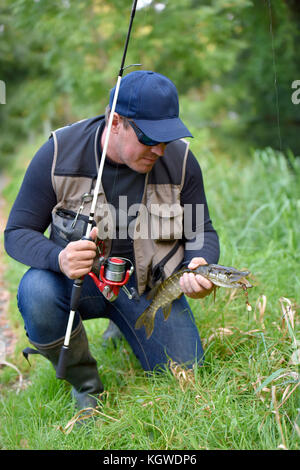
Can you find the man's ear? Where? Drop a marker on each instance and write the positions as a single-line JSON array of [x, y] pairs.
[[116, 123]]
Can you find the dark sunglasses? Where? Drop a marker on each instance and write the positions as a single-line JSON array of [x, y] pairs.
[[143, 138]]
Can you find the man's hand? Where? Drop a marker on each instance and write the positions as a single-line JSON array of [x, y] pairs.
[[195, 286], [77, 258]]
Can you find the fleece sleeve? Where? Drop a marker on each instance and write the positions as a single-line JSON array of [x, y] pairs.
[[30, 215]]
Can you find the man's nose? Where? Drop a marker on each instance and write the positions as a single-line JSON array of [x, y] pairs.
[[159, 149]]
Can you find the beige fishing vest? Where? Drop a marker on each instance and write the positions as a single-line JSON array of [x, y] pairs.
[[158, 249]]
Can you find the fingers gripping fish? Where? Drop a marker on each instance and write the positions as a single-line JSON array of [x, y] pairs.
[[169, 290]]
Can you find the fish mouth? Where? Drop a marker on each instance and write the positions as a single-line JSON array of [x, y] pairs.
[[245, 283]]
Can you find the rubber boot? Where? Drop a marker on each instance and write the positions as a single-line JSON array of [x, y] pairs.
[[81, 371], [112, 332]]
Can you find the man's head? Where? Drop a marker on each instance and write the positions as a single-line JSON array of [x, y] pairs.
[[146, 118]]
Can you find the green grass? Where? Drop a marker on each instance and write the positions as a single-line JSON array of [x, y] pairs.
[[246, 395]]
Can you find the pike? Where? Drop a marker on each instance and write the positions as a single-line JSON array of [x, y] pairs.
[[169, 290]]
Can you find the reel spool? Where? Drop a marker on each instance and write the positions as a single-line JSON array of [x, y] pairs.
[[114, 270]]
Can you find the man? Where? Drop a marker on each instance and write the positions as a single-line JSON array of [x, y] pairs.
[[152, 168]]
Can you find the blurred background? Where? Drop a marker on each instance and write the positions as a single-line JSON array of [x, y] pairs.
[[235, 64]]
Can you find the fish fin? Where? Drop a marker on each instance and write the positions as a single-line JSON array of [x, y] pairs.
[[215, 290], [167, 310], [146, 320]]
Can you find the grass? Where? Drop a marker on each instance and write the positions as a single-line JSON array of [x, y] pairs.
[[246, 396]]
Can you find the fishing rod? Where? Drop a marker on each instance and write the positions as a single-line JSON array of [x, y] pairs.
[[77, 285]]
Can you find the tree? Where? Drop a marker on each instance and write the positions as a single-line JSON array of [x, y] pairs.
[[234, 61]]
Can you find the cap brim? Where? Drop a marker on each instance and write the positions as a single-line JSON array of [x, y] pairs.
[[164, 130]]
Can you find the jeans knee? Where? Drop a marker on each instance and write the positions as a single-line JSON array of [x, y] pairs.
[[43, 303], [34, 293]]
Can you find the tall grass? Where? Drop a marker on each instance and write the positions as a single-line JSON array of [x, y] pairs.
[[246, 394]]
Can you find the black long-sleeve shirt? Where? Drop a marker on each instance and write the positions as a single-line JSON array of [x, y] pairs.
[[31, 213]]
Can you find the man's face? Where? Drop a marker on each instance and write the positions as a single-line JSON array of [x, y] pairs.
[[129, 151]]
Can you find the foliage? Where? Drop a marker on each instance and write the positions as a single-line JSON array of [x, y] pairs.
[[235, 61]]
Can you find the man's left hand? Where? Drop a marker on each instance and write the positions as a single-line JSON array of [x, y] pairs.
[[193, 285]]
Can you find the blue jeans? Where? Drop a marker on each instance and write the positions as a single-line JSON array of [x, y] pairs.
[[44, 302]]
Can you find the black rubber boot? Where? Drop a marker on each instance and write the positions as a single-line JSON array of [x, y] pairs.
[[81, 370], [112, 332]]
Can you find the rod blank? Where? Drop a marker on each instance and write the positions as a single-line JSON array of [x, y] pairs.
[[77, 285]]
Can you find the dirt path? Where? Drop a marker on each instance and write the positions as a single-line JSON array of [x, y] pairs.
[[7, 337]]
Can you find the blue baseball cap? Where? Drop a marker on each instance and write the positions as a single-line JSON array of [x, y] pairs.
[[151, 101]]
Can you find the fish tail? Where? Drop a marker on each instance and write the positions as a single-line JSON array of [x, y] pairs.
[[146, 320]]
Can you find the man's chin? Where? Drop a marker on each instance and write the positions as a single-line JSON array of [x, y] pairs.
[[145, 167]]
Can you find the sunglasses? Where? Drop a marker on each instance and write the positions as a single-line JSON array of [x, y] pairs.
[[143, 138]]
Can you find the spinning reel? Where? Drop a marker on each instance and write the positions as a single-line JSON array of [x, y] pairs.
[[114, 275]]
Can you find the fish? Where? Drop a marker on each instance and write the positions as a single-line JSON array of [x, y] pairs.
[[167, 291]]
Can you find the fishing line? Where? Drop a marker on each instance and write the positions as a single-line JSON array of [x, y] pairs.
[[275, 73]]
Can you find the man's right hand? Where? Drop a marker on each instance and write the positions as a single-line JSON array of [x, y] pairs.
[[76, 259]]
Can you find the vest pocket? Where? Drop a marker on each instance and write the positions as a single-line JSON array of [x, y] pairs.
[[63, 229], [165, 218]]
